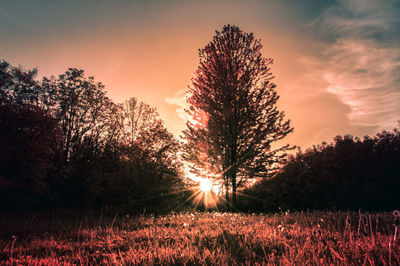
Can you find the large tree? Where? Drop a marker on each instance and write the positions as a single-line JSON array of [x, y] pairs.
[[234, 114], [81, 106]]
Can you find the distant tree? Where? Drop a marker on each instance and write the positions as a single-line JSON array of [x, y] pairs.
[[150, 150], [138, 118], [233, 106], [349, 173], [143, 127]]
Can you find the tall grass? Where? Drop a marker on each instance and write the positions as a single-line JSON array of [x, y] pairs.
[[318, 238]]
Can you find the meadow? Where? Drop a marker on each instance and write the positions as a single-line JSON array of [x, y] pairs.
[[202, 238]]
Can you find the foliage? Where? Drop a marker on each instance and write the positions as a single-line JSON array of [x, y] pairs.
[[65, 138], [29, 138], [312, 238], [347, 174], [18, 86], [80, 105], [136, 174], [233, 106]]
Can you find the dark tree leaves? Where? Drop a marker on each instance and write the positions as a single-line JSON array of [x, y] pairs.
[[29, 141], [81, 107]]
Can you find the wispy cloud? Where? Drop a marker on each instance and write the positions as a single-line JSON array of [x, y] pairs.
[[362, 59], [179, 101], [365, 76]]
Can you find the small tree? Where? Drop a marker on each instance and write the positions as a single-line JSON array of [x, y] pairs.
[[233, 106]]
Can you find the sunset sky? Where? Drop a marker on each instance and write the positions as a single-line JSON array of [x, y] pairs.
[[336, 63]]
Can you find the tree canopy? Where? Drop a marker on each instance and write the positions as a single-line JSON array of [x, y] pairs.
[[348, 173], [64, 143]]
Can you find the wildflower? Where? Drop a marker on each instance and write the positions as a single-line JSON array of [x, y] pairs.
[[396, 213]]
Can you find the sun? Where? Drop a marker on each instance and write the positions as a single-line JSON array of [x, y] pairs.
[[205, 185]]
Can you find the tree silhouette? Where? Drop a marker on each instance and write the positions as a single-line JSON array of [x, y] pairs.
[[233, 108], [18, 86], [29, 141], [349, 173], [144, 128], [80, 105], [150, 151], [138, 118], [64, 139]]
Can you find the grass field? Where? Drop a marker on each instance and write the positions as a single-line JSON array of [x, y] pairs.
[[202, 238]]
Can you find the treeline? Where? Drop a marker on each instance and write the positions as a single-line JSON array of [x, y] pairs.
[[347, 174], [64, 143]]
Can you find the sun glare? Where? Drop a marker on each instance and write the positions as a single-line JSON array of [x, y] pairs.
[[205, 191], [205, 185]]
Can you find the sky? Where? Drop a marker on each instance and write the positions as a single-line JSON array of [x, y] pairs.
[[336, 63]]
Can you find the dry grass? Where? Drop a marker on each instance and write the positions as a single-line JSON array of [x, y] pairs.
[[316, 238]]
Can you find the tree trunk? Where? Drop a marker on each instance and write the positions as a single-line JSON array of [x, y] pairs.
[[234, 199], [234, 166], [226, 189]]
